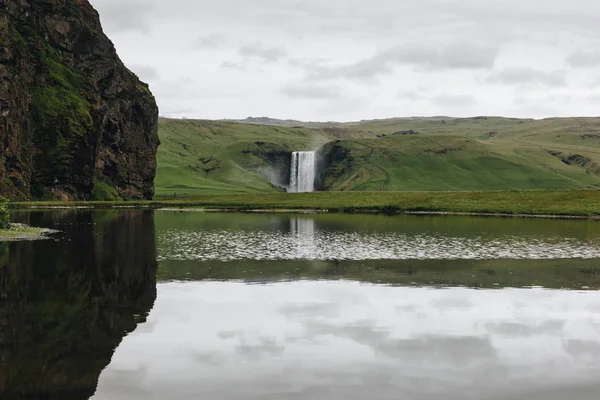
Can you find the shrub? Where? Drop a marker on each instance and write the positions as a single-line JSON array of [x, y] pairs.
[[4, 214]]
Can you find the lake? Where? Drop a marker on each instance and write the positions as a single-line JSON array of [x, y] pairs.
[[130, 304]]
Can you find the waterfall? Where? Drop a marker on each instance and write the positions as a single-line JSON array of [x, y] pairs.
[[303, 168]]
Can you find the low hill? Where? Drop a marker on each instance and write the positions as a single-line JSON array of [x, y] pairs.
[[440, 153]]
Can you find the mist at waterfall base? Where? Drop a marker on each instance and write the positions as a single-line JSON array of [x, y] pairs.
[[303, 172]]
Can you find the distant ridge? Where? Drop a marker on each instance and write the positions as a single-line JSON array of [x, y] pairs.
[[290, 123]]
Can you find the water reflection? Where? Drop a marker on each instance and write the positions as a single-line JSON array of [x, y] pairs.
[[324, 237], [344, 340], [66, 304], [286, 307]]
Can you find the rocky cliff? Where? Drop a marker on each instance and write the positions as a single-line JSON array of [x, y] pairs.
[[75, 123]]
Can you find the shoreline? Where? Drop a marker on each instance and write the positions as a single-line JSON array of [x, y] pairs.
[[549, 204], [380, 212], [377, 211]]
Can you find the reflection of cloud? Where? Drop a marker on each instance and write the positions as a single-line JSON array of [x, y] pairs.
[[255, 351], [147, 327], [521, 330], [123, 383], [207, 358], [310, 310], [253, 348], [451, 302], [550, 391], [426, 349], [315, 340], [582, 349]]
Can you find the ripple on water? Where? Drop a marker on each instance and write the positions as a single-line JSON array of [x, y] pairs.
[[231, 245]]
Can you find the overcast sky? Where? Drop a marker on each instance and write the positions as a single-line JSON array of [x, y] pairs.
[[361, 59]]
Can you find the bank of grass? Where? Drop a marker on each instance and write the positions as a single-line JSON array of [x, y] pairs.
[[19, 232], [578, 203]]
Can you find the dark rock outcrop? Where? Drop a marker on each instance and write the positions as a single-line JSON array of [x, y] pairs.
[[75, 123]]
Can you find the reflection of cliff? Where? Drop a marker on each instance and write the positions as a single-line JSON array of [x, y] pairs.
[[65, 306]]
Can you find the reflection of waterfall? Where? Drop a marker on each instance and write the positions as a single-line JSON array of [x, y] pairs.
[[303, 227], [303, 231], [302, 177]]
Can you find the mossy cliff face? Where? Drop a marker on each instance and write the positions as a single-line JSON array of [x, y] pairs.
[[73, 118]]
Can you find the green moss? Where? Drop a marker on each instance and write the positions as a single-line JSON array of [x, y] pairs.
[[104, 192], [19, 43], [61, 118], [72, 9], [4, 214]]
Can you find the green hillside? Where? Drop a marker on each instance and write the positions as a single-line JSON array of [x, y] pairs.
[[210, 157], [434, 154]]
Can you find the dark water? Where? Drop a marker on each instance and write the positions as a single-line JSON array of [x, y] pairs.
[[143, 305]]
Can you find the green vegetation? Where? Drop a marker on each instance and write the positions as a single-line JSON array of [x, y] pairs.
[[205, 157], [22, 232], [583, 203], [59, 111], [104, 192], [4, 214], [431, 154]]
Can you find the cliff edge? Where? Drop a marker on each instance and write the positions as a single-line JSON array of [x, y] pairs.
[[75, 123]]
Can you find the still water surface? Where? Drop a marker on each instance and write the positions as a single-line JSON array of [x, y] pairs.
[[155, 305]]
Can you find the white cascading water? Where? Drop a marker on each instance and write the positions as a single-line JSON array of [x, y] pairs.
[[302, 179]]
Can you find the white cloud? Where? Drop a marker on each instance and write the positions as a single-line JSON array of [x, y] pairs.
[[211, 41], [145, 72], [512, 76], [584, 58], [312, 91], [272, 57], [262, 52]]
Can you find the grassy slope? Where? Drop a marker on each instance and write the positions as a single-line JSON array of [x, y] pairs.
[[450, 163], [204, 157]]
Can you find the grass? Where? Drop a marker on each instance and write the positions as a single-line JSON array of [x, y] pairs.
[[582, 203], [22, 232], [456, 154], [104, 192]]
